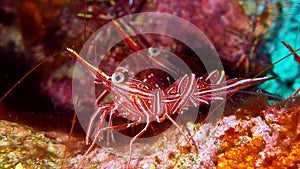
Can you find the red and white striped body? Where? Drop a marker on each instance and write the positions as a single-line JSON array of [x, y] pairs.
[[140, 102], [136, 100]]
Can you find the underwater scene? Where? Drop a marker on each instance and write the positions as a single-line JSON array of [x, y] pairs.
[[159, 84]]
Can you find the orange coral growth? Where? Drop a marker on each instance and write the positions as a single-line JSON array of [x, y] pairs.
[[273, 141]]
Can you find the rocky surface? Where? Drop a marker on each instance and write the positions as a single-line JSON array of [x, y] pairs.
[[23, 147], [258, 137], [246, 136]]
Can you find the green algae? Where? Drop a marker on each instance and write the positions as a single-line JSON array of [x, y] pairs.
[[22, 147]]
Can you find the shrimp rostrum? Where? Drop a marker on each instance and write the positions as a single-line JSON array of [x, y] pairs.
[[140, 102]]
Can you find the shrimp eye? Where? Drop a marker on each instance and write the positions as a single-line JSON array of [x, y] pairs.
[[119, 76], [153, 51]]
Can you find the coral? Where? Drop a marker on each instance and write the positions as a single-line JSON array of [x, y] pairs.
[[59, 24], [235, 35], [287, 29], [263, 139], [245, 137]]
